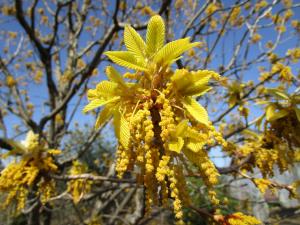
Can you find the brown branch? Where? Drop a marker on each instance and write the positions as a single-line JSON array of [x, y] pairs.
[[92, 177]]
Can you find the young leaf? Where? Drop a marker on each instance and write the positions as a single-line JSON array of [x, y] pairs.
[[106, 89], [195, 146], [196, 110], [155, 36], [277, 115], [122, 129], [114, 76], [104, 116], [181, 128], [176, 146], [277, 93], [172, 50], [98, 103], [196, 90], [134, 42], [126, 59]]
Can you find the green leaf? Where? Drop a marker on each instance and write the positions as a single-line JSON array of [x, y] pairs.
[[155, 36], [104, 116], [126, 59], [98, 103], [177, 145], [172, 50], [122, 129], [196, 110], [134, 42]]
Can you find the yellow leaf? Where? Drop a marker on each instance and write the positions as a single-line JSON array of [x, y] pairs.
[[122, 129], [98, 103], [171, 51], [277, 93], [114, 76], [92, 94], [196, 110], [270, 110], [192, 156], [195, 146], [193, 134], [176, 146], [181, 128], [272, 114], [104, 116], [196, 91], [106, 89], [134, 42], [155, 36], [181, 79], [125, 59]]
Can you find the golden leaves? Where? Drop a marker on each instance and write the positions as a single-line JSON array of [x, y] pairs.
[[155, 37], [134, 42], [126, 59], [196, 110]]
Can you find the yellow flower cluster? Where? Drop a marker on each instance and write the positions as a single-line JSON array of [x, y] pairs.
[[19, 177], [78, 187], [285, 72], [294, 54], [263, 184], [10, 81], [241, 219], [157, 119], [268, 150]]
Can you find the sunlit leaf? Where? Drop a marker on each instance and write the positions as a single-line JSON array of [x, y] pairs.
[[196, 110], [177, 145], [277, 93], [98, 103], [104, 116], [122, 129], [115, 76], [195, 146], [126, 59], [134, 42], [106, 89], [155, 36], [172, 50]]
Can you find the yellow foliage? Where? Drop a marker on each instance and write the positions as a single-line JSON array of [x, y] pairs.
[[20, 176], [241, 219], [10, 81], [78, 187], [157, 118], [211, 8], [256, 38]]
